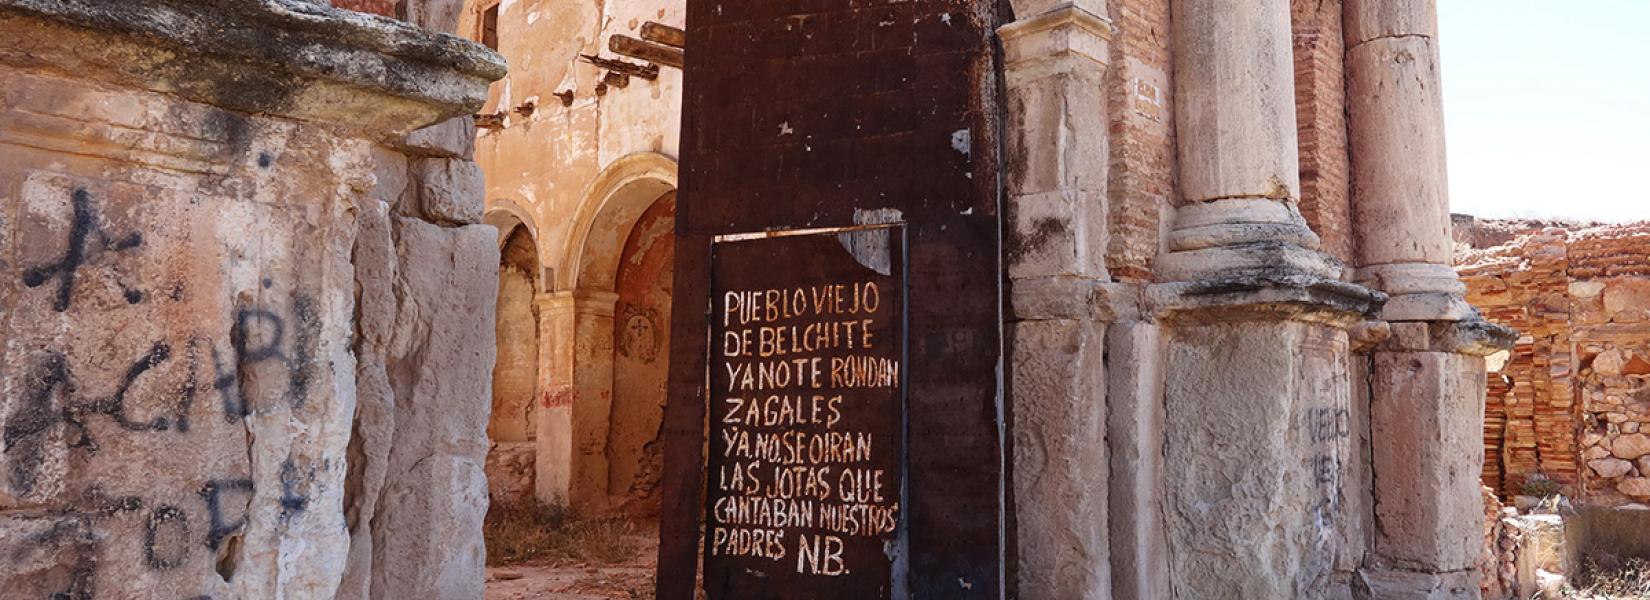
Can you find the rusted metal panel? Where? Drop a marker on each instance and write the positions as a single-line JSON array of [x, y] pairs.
[[807, 416], [861, 114]]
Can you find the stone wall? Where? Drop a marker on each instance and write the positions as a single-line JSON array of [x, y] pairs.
[[229, 280], [1572, 401]]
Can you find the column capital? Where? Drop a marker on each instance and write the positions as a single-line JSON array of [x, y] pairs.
[[581, 302], [1063, 32]]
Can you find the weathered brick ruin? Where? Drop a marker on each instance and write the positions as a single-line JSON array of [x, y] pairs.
[[1125, 299], [1571, 402]]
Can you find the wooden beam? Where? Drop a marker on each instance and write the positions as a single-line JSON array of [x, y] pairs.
[[648, 51], [648, 72], [661, 33]]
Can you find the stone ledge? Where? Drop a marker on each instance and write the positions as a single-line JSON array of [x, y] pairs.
[[1072, 298], [284, 58], [1266, 294], [1066, 30], [1473, 337]]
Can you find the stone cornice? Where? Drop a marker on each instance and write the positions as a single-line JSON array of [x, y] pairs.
[[1064, 15], [284, 58], [1066, 30], [1265, 295]]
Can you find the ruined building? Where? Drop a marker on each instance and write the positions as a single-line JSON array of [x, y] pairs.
[[1568, 402], [1161, 340], [862, 298]]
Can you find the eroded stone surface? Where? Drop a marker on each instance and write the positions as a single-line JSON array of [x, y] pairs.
[[1231, 532], [207, 323]]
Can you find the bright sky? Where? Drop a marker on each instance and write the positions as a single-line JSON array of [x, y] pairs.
[[1547, 107]]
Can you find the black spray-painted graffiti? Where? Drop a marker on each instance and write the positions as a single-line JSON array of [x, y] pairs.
[[72, 534], [257, 337], [166, 538], [29, 427], [221, 497], [83, 227], [293, 502], [72, 538], [270, 356]]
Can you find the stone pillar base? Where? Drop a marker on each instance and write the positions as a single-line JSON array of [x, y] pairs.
[[1398, 584], [1420, 292], [1258, 435], [1427, 421]]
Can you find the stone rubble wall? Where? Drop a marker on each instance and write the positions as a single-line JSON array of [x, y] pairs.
[[1498, 567], [1572, 402]]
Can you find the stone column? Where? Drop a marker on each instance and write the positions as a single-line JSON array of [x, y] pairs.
[[1427, 382], [1054, 65], [575, 397], [1237, 147], [1400, 192], [1257, 429]]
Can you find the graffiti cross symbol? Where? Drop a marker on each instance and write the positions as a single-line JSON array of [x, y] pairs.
[[84, 226]]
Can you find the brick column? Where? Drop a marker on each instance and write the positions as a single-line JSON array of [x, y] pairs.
[[575, 397], [1427, 382], [1055, 66], [1257, 431]]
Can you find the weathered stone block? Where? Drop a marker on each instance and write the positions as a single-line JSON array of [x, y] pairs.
[[453, 138], [1259, 435], [510, 473], [1396, 584], [1610, 468], [1636, 487], [1134, 438], [1630, 446], [449, 190], [1060, 460], [439, 362], [1059, 233], [1427, 419]]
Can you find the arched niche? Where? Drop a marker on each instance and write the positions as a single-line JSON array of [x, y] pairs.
[[511, 428], [585, 335]]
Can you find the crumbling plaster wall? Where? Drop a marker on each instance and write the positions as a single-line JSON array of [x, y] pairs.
[[546, 161], [1572, 400], [556, 162], [229, 283]]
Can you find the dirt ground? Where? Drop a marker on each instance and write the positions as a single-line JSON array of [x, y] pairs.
[[630, 579]]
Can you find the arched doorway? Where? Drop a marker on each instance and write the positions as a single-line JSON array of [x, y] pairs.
[[604, 331], [511, 429]]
